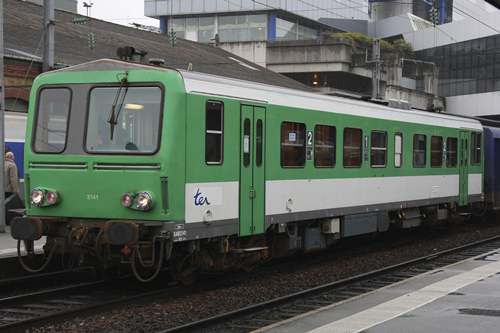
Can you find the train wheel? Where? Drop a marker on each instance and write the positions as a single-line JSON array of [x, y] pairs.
[[248, 265], [188, 272]]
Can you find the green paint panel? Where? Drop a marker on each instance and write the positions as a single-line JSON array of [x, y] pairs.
[[197, 170]]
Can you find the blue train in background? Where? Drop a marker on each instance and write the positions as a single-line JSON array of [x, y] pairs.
[[492, 167], [15, 133]]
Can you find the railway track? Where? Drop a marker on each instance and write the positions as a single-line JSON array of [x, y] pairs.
[[22, 312], [271, 312], [17, 314], [54, 277], [35, 309]]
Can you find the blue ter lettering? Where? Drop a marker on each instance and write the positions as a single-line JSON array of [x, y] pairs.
[[200, 200]]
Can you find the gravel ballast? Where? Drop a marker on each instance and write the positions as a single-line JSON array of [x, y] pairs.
[[168, 313]]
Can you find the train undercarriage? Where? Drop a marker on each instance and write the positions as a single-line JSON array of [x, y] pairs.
[[137, 247]]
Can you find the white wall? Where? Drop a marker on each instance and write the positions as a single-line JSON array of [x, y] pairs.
[[476, 105], [454, 32], [252, 51]]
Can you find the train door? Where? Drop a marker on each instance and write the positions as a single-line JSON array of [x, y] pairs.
[[464, 168], [252, 166]]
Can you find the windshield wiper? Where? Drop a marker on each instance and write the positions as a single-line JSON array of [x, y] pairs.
[[112, 118]]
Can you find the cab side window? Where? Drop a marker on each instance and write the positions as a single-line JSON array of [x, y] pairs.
[[214, 125]]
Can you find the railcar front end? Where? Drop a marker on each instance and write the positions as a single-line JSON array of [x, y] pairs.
[[103, 163]]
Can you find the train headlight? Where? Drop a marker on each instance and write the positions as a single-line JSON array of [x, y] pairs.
[[138, 200], [127, 200], [52, 197], [143, 200], [43, 197], [37, 197]]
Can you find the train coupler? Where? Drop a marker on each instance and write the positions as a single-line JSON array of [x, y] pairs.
[[27, 228], [121, 233]]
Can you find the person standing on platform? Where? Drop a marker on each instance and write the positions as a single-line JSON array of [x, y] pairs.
[[11, 175]]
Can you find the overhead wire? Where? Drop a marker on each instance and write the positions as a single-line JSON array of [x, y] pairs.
[[29, 68], [437, 28]]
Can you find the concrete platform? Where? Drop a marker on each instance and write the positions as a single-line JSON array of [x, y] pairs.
[[8, 245], [463, 297]]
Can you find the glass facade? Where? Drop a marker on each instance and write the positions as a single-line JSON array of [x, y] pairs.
[[469, 67], [285, 30], [453, 10], [206, 29], [200, 29], [237, 28], [314, 9], [253, 27], [466, 9]]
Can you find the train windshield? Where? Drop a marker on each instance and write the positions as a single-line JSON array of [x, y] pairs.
[[124, 119], [52, 119]]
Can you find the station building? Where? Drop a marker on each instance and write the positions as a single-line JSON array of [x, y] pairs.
[[461, 37]]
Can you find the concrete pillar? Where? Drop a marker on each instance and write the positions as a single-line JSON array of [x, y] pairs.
[[394, 72], [431, 81]]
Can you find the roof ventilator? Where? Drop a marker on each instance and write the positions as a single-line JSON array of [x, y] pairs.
[[156, 61], [128, 52], [405, 105]]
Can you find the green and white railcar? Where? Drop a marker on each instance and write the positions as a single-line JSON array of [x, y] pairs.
[[132, 163]]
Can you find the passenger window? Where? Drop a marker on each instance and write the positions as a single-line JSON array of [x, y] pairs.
[[419, 150], [475, 152], [258, 143], [379, 149], [246, 148], [478, 148], [464, 151], [436, 151], [451, 152], [293, 144], [214, 132], [352, 147], [324, 146], [398, 150], [473, 149]]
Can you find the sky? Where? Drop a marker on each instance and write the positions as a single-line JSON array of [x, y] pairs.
[[117, 11]]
